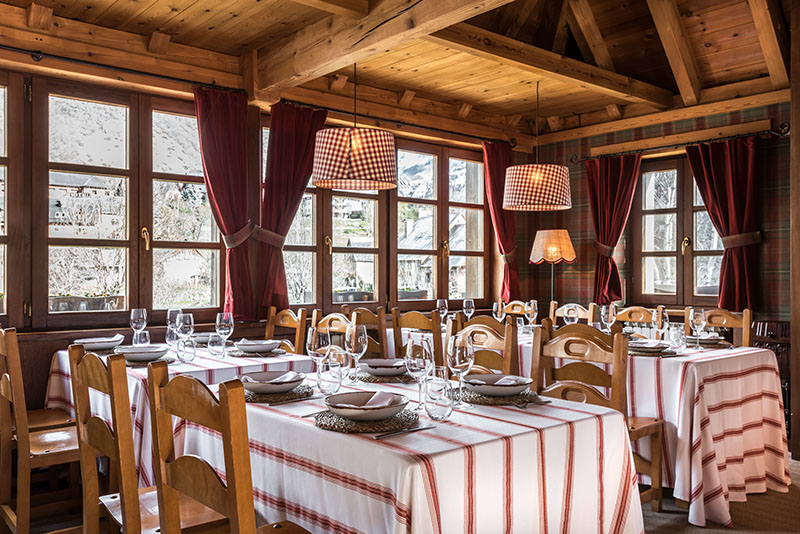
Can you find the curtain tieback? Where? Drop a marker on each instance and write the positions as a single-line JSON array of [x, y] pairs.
[[603, 249], [509, 257], [239, 236], [269, 237], [741, 240]]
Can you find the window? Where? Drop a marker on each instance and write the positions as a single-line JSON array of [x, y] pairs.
[[678, 253]]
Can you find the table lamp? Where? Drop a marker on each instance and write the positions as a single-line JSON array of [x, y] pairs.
[[552, 246]]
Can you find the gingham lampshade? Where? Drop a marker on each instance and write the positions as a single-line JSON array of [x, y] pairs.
[[537, 187], [552, 246], [354, 159]]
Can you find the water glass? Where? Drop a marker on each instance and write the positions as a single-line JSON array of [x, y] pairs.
[[697, 320], [216, 345], [678, 338], [337, 355], [469, 308], [571, 314], [419, 363], [460, 358], [224, 327], [184, 326], [438, 398], [531, 311], [329, 377], [608, 316], [171, 337], [441, 306], [499, 311], [662, 326], [187, 350], [141, 338], [355, 343]]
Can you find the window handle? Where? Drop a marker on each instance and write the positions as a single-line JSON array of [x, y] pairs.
[[146, 236], [686, 243], [329, 244], [445, 248]]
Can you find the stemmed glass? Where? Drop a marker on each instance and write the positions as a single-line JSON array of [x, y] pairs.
[[469, 308], [460, 358], [697, 320], [419, 363], [531, 312], [499, 311], [570, 314], [355, 343], [171, 336], [317, 344], [661, 327], [608, 316], [441, 306], [138, 323], [224, 328], [184, 328]]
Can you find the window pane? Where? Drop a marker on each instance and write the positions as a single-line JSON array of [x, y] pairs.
[[88, 206], [658, 232], [659, 276], [181, 212], [416, 175], [466, 277], [706, 275], [88, 133], [2, 200], [87, 279], [302, 231], [705, 235], [354, 277], [264, 149], [697, 199], [185, 278], [416, 224], [2, 121], [416, 276], [466, 229], [2, 279], [354, 222], [301, 276], [660, 189], [176, 145], [466, 181]]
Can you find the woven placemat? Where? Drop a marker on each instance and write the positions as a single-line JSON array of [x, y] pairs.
[[397, 379], [300, 392], [522, 398], [106, 352], [402, 421], [138, 365], [241, 354], [661, 354]]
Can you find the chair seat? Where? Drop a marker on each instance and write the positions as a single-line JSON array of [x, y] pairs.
[[283, 527], [53, 447], [639, 427], [48, 418], [193, 514]]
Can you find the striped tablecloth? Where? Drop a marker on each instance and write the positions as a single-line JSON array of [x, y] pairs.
[[562, 467], [209, 370]]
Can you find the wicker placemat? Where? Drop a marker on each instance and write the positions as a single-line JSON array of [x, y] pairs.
[[660, 354], [137, 365], [397, 379], [402, 421], [521, 398], [105, 352], [300, 392], [241, 354]]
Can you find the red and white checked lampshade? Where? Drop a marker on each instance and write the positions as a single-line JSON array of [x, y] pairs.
[[537, 187], [354, 159]]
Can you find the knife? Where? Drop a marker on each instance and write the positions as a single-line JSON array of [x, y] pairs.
[[398, 432], [294, 400]]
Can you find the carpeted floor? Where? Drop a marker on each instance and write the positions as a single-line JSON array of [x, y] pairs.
[[765, 512]]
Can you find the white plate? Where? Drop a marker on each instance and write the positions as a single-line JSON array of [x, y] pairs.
[[99, 343], [364, 413], [262, 382], [383, 366], [144, 356], [648, 346], [202, 337], [262, 345], [493, 390]]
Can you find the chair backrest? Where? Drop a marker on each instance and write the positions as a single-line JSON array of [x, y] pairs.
[[288, 319], [97, 438], [12, 395], [580, 379], [486, 320], [376, 329], [639, 314], [187, 398], [495, 350], [584, 314], [741, 324], [417, 321]]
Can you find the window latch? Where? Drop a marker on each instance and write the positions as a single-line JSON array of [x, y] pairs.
[[329, 244], [686, 243], [146, 236], [445, 248]]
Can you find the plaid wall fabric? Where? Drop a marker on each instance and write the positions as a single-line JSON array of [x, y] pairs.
[[574, 282]]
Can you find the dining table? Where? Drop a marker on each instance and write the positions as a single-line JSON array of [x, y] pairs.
[[206, 367], [557, 467]]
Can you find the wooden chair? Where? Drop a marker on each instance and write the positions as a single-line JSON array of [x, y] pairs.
[[376, 329], [485, 320], [740, 323], [584, 314], [288, 319], [417, 321], [581, 381], [514, 309], [190, 476], [640, 315], [134, 509], [494, 351], [335, 323], [35, 449]]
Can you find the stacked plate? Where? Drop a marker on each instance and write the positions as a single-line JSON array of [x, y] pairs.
[[201, 337], [257, 345], [650, 347], [383, 366], [100, 343], [706, 340], [142, 353], [497, 385], [272, 381], [366, 405]]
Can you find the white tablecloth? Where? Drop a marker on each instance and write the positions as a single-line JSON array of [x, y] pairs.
[[563, 467], [209, 370]]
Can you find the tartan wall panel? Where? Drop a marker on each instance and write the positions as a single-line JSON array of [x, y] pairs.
[[573, 282]]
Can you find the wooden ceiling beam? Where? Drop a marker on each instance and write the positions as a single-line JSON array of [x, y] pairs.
[[561, 35], [463, 110], [39, 16], [336, 42], [338, 82], [774, 39], [673, 37], [514, 16], [488, 45], [354, 9], [406, 98], [158, 43]]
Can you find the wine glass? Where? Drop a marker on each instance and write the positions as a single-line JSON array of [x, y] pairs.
[[317, 344], [571, 314], [441, 306], [419, 362], [355, 343], [141, 338], [138, 322], [531, 311], [469, 308], [438, 398], [697, 320], [184, 326], [661, 327], [608, 316], [172, 317], [171, 337], [224, 328], [499, 311], [460, 358]]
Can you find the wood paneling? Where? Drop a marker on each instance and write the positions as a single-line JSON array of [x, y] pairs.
[[794, 147]]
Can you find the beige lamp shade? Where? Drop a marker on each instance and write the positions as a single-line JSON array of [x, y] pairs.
[[552, 246], [354, 159], [537, 187]]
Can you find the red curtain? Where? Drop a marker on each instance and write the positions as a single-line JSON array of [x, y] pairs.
[[293, 131], [221, 121], [724, 173], [612, 183], [497, 157]]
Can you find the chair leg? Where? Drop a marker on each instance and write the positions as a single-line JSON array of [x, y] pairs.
[[23, 499], [655, 468]]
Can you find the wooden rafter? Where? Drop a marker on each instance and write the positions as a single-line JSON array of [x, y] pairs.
[[39, 16], [562, 29], [485, 44], [514, 16], [338, 82], [347, 8], [336, 42], [673, 37], [774, 39], [158, 43], [406, 98]]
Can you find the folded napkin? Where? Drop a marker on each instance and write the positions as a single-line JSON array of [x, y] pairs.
[[647, 344], [285, 377], [380, 399], [85, 340], [505, 381], [245, 341], [385, 363], [138, 349]]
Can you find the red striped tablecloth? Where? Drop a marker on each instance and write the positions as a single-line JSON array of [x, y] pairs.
[[562, 467], [209, 370]]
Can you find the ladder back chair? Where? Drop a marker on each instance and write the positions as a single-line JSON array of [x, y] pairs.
[[288, 319], [494, 350], [189, 399], [134, 509], [641, 315], [589, 315], [582, 379], [35, 449], [335, 323], [417, 321], [513, 310], [741, 324], [376, 329], [485, 320]]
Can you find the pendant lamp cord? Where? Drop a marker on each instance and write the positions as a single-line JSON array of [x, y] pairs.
[[536, 128], [355, 99]]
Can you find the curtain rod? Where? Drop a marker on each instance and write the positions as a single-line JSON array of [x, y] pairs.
[[38, 56]]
